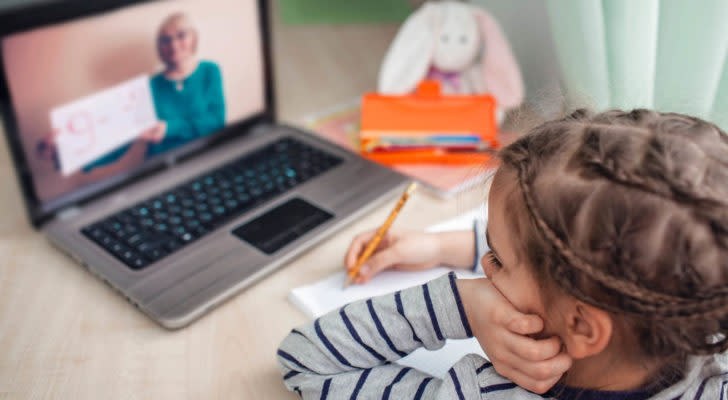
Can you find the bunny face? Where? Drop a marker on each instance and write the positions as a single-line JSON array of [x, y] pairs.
[[457, 40]]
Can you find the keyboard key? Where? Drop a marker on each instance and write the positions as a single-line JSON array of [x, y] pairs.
[[163, 224], [172, 245], [128, 255], [107, 241], [137, 263], [95, 233], [154, 253], [135, 239]]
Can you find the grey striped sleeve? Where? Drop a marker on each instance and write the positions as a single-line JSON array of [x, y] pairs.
[[349, 353]]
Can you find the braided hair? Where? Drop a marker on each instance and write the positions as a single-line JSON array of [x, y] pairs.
[[628, 211]]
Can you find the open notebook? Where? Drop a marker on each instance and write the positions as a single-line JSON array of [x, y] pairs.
[[327, 295]]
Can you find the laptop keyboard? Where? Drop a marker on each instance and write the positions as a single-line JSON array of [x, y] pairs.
[[157, 227]]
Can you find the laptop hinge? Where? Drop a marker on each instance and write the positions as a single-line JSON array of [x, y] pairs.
[[261, 129], [68, 213]]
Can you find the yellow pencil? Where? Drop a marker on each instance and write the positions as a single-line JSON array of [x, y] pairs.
[[380, 234]]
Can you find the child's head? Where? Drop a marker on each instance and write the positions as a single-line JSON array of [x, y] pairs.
[[623, 214]]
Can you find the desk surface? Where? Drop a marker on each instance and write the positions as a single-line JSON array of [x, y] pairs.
[[64, 334]]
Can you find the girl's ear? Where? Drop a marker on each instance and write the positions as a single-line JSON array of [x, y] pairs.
[[588, 330], [499, 68], [410, 54]]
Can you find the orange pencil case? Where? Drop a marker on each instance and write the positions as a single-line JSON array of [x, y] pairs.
[[425, 114]]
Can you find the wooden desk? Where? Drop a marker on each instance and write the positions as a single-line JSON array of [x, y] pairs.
[[65, 335]]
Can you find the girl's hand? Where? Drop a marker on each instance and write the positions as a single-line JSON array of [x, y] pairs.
[[156, 133], [397, 250], [502, 332]]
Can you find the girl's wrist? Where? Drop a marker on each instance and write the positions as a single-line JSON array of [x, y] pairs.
[[456, 248]]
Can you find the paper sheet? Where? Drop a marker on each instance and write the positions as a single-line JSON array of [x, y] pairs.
[[92, 126], [327, 295]]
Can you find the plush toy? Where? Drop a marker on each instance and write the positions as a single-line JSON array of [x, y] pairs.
[[459, 45]]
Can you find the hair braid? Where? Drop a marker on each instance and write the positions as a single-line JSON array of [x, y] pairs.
[[676, 163], [667, 306], [575, 261]]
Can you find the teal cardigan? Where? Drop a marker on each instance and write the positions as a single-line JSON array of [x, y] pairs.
[[195, 110]]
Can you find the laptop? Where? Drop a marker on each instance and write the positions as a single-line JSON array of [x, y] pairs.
[[144, 138]]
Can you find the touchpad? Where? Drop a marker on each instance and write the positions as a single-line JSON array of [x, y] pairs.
[[282, 225]]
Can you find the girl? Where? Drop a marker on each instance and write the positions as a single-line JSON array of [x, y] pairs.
[[612, 228]]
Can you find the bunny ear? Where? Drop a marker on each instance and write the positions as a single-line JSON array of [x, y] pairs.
[[500, 71], [410, 54]]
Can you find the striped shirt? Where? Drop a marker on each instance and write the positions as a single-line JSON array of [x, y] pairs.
[[350, 353]]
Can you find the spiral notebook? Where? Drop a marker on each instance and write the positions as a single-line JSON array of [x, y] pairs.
[[327, 294]]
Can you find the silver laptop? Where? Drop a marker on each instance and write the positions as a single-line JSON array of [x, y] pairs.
[[145, 144]]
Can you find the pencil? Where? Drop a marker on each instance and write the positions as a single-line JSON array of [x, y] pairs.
[[372, 245]]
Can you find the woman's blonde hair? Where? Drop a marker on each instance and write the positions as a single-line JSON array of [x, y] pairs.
[[628, 211], [176, 18]]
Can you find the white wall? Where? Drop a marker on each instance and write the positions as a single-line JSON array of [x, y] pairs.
[[526, 25]]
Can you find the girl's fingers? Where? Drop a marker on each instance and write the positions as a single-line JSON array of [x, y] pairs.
[[504, 314], [524, 324], [525, 381], [548, 370], [530, 349], [356, 247], [380, 261], [359, 244]]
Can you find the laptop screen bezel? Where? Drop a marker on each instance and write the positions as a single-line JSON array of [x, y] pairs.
[[25, 18]]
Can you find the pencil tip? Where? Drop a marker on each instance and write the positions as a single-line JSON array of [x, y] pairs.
[[411, 188]]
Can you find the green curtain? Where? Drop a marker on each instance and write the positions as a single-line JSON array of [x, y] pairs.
[[669, 55]]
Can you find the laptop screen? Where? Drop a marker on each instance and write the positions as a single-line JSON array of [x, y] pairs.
[[98, 97]]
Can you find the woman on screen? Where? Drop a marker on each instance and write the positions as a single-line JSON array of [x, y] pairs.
[[188, 95]]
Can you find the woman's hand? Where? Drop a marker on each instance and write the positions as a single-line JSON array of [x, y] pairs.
[[502, 332], [156, 133], [46, 148], [403, 250]]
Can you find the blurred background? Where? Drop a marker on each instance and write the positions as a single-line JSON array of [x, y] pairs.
[[336, 40], [664, 54]]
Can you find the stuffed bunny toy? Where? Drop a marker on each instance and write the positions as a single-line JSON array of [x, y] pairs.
[[459, 45]]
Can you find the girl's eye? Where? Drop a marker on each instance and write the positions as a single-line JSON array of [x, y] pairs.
[[493, 259]]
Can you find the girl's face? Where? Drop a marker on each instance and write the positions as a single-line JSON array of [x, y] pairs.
[[177, 43], [504, 266]]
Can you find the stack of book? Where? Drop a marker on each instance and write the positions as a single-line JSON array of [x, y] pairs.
[[446, 148], [427, 127]]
